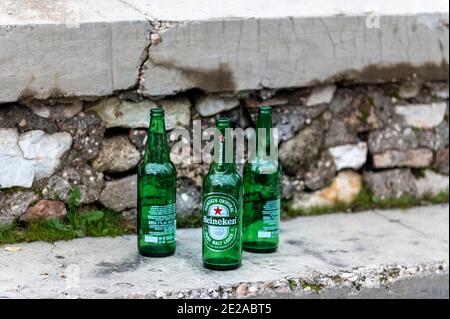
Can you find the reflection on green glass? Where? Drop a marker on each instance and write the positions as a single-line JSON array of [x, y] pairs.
[[262, 192], [222, 207], [156, 193]]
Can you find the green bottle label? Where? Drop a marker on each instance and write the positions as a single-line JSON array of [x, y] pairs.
[[271, 220], [220, 221], [158, 222]]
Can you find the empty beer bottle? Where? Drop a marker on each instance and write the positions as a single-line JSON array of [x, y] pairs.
[[156, 193], [262, 190], [222, 205]]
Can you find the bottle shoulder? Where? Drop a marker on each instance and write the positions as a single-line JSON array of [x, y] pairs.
[[262, 167], [222, 179], [167, 168]]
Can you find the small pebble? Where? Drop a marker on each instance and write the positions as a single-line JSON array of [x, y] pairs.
[[242, 290]]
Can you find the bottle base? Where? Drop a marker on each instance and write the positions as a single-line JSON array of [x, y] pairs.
[[259, 248], [221, 266], [156, 254]]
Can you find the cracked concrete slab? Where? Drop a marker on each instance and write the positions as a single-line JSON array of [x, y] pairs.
[[69, 48], [281, 44], [311, 247], [95, 47]]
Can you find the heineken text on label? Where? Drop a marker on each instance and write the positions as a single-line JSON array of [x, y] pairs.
[[220, 221], [222, 206]]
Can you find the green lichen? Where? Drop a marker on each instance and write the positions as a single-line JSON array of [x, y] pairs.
[[313, 286], [88, 224], [389, 274], [292, 284], [78, 223], [394, 273], [394, 93], [17, 189], [337, 279], [364, 116], [441, 198], [365, 111], [366, 200]]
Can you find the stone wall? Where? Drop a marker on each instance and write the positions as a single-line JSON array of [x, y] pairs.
[[335, 140]]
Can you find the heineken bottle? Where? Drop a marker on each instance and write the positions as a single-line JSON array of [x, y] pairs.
[[222, 205], [156, 193], [262, 190]]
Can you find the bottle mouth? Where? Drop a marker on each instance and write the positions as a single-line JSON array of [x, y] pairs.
[[265, 109], [157, 111]]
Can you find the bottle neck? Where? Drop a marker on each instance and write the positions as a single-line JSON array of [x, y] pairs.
[[223, 159], [263, 134], [157, 150]]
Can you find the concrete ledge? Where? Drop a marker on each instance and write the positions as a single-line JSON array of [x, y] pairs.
[[282, 44], [372, 254], [93, 47], [69, 47]]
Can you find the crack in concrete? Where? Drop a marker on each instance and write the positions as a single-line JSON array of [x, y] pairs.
[[155, 29], [144, 58], [322, 258], [400, 223], [129, 5]]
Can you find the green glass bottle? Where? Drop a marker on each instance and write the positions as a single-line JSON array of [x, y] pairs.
[[222, 205], [156, 193], [262, 191]]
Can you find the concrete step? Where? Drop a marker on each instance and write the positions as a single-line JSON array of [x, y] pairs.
[[248, 45], [96, 47], [378, 254], [69, 47]]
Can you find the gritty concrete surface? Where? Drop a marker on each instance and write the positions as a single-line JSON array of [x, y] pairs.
[[187, 10], [373, 254], [96, 47]]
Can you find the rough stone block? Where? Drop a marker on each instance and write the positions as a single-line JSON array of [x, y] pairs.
[[126, 114], [349, 156], [422, 116], [391, 183], [343, 190], [120, 195], [417, 158], [13, 205], [431, 184], [31, 156]]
